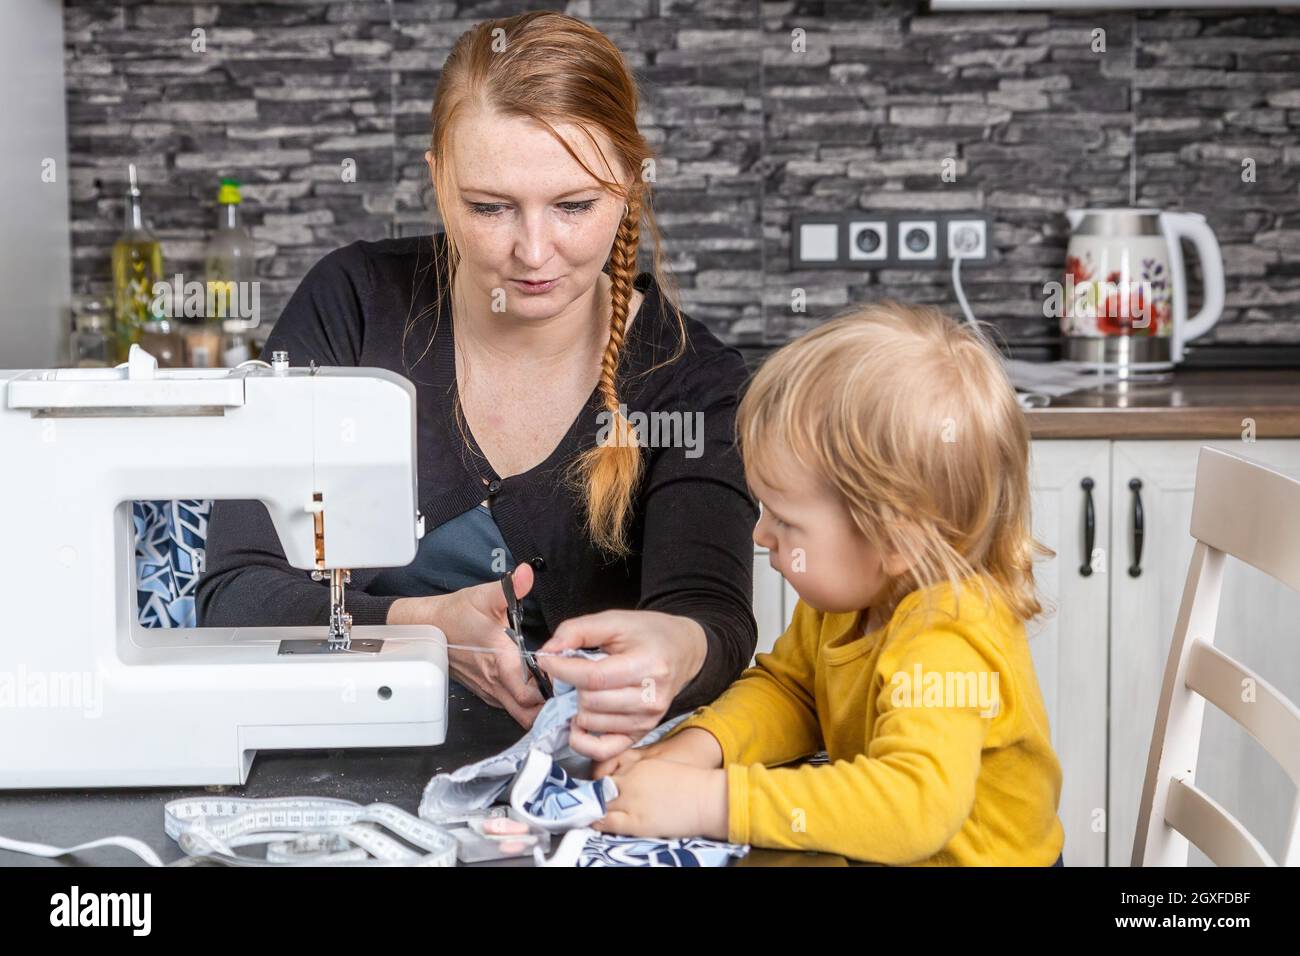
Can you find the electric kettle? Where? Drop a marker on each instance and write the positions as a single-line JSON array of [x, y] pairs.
[[1124, 306]]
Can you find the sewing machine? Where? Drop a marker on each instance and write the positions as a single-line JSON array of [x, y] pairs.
[[88, 697]]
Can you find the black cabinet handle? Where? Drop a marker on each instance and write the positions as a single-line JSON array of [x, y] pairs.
[[1089, 527], [1135, 569]]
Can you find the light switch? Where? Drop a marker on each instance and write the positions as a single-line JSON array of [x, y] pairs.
[[819, 242]]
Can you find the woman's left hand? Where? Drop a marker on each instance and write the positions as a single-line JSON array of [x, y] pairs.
[[659, 798], [652, 656]]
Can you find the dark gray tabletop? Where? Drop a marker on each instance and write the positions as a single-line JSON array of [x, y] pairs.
[[397, 776]]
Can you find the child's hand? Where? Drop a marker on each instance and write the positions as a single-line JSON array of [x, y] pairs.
[[621, 763], [659, 798], [692, 746]]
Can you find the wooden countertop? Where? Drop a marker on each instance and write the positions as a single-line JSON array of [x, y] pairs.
[[1201, 403]]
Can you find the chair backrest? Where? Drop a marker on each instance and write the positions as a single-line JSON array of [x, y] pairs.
[[1250, 512]]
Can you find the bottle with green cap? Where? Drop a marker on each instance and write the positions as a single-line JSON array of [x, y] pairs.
[[228, 273]]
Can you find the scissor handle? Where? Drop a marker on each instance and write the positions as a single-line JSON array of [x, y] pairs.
[[543, 682]]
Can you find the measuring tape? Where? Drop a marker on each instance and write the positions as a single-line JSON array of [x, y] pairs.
[[298, 831], [314, 831]]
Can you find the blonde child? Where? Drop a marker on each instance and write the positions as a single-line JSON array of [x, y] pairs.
[[890, 458]]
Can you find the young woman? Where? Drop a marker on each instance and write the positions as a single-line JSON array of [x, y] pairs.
[[536, 349]]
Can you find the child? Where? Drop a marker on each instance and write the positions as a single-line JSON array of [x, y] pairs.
[[891, 460]]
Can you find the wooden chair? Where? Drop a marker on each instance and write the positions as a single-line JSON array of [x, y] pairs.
[[1248, 511]]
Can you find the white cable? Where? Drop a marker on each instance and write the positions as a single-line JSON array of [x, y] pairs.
[[1028, 398], [138, 847], [956, 287]]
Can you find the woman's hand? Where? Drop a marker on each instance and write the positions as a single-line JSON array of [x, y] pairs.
[[652, 656], [477, 616], [659, 798]]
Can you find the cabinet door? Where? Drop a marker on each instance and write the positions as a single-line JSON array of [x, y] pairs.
[[1257, 625], [1068, 641], [768, 602]]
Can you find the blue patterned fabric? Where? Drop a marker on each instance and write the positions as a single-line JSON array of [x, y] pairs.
[[169, 540], [550, 798], [464, 792], [587, 847], [606, 849], [547, 797], [561, 795]]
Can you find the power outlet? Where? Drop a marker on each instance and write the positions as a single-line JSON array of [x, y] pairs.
[[868, 240], [918, 240], [969, 239], [887, 240]]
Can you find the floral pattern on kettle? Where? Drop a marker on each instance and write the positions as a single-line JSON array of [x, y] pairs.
[[1112, 306]]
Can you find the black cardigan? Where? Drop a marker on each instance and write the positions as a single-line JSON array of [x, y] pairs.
[[693, 516]]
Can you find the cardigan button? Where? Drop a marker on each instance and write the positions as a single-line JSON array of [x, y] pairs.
[[494, 486], [538, 563]]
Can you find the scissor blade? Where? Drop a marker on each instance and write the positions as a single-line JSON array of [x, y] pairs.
[[512, 608]]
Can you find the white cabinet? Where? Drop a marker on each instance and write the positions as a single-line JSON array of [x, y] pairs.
[[1259, 624], [769, 602], [1069, 640], [790, 599], [1101, 655]]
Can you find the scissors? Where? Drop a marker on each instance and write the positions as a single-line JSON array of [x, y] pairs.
[[515, 632]]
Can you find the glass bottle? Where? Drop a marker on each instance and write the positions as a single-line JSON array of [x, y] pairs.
[[161, 337], [228, 267], [202, 342], [91, 344], [137, 266], [235, 343]]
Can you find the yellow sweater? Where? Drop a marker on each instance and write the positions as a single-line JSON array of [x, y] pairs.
[[934, 724]]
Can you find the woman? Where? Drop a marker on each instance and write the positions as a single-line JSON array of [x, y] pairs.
[[530, 363]]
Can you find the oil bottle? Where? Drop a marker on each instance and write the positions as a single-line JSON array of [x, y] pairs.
[[137, 265]]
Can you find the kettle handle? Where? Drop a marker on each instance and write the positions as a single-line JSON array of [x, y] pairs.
[[1193, 227]]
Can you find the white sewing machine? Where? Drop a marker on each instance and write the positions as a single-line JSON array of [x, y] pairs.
[[88, 697]]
